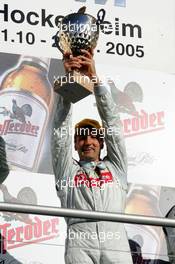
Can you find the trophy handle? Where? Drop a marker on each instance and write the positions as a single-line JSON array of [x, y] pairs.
[[100, 16], [57, 39]]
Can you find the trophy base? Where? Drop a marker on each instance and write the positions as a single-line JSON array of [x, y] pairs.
[[74, 86]]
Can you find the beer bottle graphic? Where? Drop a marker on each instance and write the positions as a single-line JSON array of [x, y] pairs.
[[26, 99], [144, 200]]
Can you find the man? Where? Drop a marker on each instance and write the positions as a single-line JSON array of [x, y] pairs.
[[98, 185], [5, 257]]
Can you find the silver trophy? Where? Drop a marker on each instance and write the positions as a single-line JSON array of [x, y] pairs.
[[77, 31]]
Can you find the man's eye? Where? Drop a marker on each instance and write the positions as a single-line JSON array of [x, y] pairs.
[[82, 137], [93, 136]]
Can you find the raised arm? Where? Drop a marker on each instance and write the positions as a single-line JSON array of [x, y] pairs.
[[61, 142], [116, 151]]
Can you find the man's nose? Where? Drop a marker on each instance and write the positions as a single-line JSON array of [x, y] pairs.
[[88, 140]]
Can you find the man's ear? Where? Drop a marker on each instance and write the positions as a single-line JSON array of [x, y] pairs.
[[75, 146], [101, 143]]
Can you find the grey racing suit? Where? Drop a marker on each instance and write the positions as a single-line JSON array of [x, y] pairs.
[[89, 241]]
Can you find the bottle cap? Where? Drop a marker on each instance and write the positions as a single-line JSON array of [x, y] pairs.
[[42, 61]]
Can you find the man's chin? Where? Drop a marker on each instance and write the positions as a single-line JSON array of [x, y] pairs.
[[87, 158]]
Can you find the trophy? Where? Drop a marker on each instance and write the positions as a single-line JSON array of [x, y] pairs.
[[77, 31]]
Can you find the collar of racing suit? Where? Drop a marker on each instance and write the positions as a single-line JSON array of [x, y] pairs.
[[92, 165]]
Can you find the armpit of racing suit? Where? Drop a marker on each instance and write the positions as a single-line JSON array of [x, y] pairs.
[[89, 241]]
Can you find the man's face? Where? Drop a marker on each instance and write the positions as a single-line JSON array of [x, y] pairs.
[[88, 145]]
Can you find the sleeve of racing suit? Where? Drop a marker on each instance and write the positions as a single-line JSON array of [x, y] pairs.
[[4, 169], [114, 139], [61, 143]]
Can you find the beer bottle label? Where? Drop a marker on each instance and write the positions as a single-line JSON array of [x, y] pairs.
[[23, 120]]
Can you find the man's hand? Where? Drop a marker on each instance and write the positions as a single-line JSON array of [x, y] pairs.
[[84, 63], [87, 63], [71, 63]]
